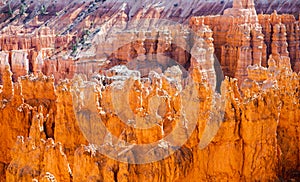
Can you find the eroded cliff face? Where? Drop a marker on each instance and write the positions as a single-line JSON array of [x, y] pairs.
[[243, 38], [64, 38], [30, 52], [281, 36], [154, 119], [256, 138], [33, 103]]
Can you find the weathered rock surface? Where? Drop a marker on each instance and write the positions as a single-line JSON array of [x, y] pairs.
[[37, 159], [37, 36], [19, 103], [282, 37], [164, 122], [254, 140], [29, 52], [250, 38]]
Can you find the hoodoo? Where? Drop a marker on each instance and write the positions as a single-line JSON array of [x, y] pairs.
[[105, 90]]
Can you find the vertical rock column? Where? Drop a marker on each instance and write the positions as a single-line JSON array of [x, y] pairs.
[[14, 118]]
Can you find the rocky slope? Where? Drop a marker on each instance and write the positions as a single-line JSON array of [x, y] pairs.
[[71, 111]]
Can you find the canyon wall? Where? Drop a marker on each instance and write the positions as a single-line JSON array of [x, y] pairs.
[[282, 37], [27, 53], [84, 116], [64, 38], [255, 141], [243, 38]]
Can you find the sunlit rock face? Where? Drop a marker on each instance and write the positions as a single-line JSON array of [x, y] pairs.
[[125, 91], [83, 112]]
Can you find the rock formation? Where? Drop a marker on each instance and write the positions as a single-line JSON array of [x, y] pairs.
[[47, 32], [27, 52], [253, 119], [281, 36], [251, 39], [243, 44], [158, 49], [80, 101]]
